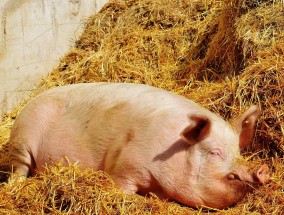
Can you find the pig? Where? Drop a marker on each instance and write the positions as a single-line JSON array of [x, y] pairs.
[[147, 139]]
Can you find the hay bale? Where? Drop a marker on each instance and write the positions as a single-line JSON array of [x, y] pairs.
[[226, 55]]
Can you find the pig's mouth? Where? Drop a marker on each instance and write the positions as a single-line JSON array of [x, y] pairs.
[[256, 178], [234, 186], [236, 180], [241, 185], [226, 192]]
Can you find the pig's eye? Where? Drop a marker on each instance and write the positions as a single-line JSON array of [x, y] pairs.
[[216, 152]]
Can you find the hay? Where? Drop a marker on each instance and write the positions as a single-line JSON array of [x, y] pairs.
[[226, 55]]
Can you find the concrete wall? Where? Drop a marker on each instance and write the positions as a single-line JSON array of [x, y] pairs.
[[34, 34]]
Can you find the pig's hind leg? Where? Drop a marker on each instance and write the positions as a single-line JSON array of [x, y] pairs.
[[21, 160], [24, 137], [28, 132]]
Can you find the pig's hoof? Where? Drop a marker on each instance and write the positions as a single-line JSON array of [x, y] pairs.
[[14, 179]]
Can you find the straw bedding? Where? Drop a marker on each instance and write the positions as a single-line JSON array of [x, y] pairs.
[[226, 55]]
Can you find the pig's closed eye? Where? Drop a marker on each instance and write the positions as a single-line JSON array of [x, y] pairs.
[[216, 152]]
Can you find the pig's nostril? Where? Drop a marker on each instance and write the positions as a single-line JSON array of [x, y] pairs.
[[262, 174]]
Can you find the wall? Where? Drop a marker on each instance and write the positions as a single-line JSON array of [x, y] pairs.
[[34, 34]]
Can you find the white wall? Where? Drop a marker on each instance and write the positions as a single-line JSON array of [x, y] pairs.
[[34, 34]]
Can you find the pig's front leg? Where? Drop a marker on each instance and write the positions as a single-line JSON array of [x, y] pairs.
[[125, 184]]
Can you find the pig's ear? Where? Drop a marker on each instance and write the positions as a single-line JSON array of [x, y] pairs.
[[198, 129], [245, 125]]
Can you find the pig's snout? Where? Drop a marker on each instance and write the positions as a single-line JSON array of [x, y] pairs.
[[261, 176]]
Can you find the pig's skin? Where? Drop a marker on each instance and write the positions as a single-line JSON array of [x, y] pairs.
[[146, 139]]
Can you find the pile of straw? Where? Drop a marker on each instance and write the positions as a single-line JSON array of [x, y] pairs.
[[226, 55]]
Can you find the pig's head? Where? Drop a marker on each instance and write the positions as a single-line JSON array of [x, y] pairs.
[[217, 176], [214, 156]]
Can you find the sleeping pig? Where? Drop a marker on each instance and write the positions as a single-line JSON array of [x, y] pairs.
[[145, 138]]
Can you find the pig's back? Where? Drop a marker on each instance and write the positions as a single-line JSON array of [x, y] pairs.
[[137, 99], [110, 93]]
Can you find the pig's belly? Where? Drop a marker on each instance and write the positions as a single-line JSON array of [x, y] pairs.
[[67, 153]]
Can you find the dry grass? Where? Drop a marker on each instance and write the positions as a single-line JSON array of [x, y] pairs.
[[225, 55]]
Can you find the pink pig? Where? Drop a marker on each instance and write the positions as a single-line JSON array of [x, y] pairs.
[[145, 138]]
